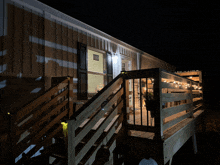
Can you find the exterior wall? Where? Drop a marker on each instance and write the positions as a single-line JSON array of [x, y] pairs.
[[37, 40], [148, 61]]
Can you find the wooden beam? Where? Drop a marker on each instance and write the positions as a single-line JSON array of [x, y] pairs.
[[43, 131], [166, 112], [31, 106], [175, 121], [170, 97], [173, 86], [190, 73], [193, 78], [173, 77], [177, 140]]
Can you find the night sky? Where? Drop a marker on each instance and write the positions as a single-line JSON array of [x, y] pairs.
[[182, 33]]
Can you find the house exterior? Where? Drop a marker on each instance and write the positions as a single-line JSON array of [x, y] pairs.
[[39, 43]]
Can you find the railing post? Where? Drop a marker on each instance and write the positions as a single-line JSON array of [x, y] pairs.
[[191, 108], [125, 102], [11, 118], [71, 142], [158, 106], [70, 96]]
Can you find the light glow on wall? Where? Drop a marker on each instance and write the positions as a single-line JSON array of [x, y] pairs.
[[115, 59]]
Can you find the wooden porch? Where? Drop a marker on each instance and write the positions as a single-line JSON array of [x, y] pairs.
[[107, 122]]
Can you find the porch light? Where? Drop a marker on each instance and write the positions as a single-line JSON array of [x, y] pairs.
[[115, 58]]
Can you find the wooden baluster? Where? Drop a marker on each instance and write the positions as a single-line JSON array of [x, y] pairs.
[[70, 94]]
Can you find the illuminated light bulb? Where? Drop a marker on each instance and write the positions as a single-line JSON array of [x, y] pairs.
[[164, 81], [174, 82], [190, 77]]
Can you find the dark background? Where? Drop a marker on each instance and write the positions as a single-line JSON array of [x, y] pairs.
[[182, 33]]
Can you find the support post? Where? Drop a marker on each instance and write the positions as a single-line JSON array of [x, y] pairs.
[[158, 105], [125, 103], [194, 142], [70, 94], [71, 142], [170, 162], [191, 108]]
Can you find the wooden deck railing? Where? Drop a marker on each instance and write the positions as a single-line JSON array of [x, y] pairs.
[[179, 95], [39, 121], [180, 91], [95, 123]]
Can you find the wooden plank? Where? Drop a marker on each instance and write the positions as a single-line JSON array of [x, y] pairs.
[[177, 140], [43, 131], [71, 142], [96, 73], [197, 106], [173, 77], [37, 125], [82, 115], [174, 110], [39, 145], [141, 128], [173, 86], [52, 102], [105, 140], [178, 91], [170, 97], [28, 108], [97, 134], [193, 78], [175, 121], [196, 91], [197, 99], [197, 113], [189, 73], [90, 124], [169, 132]]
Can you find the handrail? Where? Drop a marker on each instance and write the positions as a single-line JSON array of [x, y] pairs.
[[87, 104], [98, 113], [51, 107], [38, 101]]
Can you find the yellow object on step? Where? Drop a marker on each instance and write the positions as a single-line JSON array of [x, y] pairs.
[[65, 128]]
